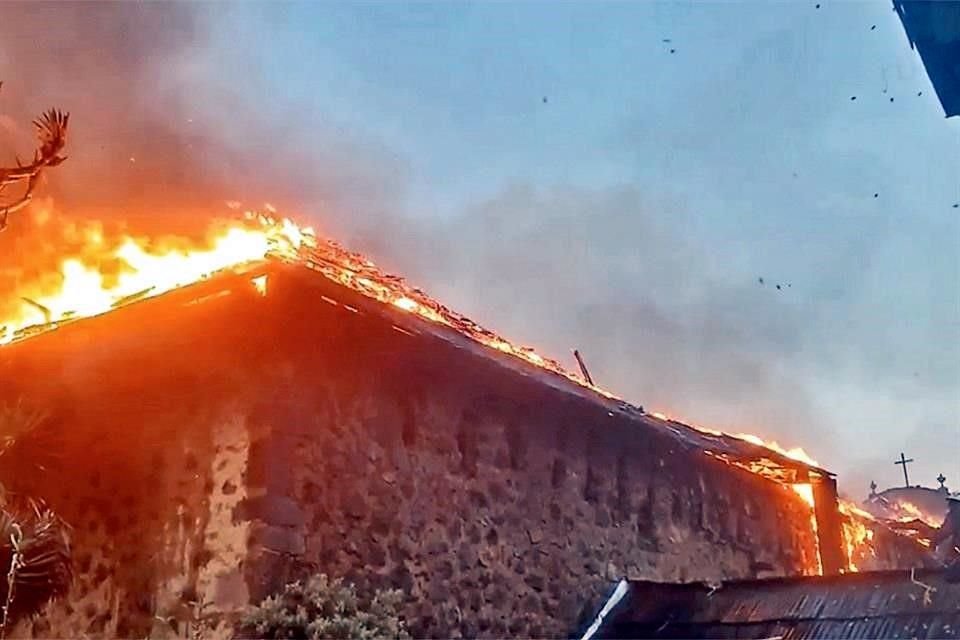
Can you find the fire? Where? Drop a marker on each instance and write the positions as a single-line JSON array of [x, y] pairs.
[[805, 491], [857, 533], [910, 511], [110, 271], [795, 453], [907, 512]]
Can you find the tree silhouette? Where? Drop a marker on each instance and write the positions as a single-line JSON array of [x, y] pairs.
[[51, 129]]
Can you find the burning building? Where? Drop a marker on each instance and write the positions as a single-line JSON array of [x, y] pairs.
[[906, 504], [223, 417]]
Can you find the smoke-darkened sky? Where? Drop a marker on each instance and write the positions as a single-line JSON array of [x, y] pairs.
[[612, 177]]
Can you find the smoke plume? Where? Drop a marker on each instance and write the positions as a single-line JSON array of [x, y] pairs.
[[557, 269], [160, 140]]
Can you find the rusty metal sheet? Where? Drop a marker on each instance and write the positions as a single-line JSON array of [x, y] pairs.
[[885, 604]]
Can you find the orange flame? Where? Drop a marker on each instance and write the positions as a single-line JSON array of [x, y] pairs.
[[795, 453], [910, 511], [907, 511], [805, 491], [856, 532], [143, 268]]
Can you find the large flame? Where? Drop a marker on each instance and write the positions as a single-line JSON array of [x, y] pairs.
[[857, 528], [805, 491], [794, 453], [106, 272], [906, 511]]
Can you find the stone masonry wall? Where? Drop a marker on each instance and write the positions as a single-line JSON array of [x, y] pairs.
[[501, 506], [211, 452], [145, 458]]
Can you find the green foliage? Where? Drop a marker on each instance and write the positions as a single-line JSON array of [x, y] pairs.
[[324, 608]]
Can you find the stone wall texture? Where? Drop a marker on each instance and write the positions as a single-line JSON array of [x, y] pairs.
[[209, 453]]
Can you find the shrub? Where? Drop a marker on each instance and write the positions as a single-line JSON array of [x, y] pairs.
[[35, 559], [325, 608]]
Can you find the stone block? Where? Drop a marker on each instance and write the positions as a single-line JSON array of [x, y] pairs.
[[275, 510], [354, 504], [536, 581], [278, 539]]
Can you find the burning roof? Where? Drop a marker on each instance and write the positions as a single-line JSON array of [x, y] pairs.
[[103, 271], [907, 504], [99, 271]]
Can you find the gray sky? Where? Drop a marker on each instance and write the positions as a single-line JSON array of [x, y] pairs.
[[632, 213]]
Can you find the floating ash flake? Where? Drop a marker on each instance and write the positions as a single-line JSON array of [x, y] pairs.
[[260, 284]]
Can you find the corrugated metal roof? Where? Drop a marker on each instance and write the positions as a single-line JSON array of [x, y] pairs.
[[889, 604]]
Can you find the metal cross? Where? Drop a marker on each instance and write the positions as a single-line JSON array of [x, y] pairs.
[[903, 461], [942, 481]]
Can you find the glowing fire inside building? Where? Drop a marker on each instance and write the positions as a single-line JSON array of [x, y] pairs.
[[105, 272]]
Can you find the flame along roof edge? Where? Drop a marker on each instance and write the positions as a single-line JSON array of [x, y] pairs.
[[557, 376], [564, 380]]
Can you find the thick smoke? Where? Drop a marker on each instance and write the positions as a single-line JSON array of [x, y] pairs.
[[597, 270], [603, 271], [106, 65], [159, 142], [157, 139]]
